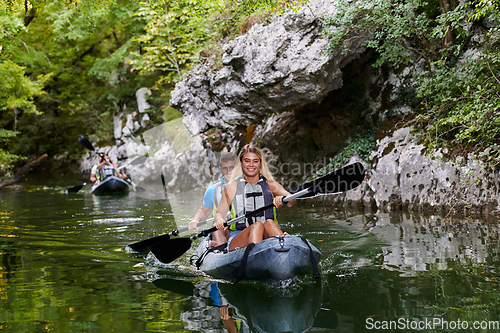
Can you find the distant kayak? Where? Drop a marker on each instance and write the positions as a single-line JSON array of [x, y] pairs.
[[274, 259], [110, 185]]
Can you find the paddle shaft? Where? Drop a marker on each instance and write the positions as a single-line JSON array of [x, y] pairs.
[[177, 232], [75, 188], [123, 166], [146, 244], [285, 200], [136, 161], [350, 176]]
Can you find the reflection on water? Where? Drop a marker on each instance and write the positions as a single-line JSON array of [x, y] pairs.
[[391, 266], [63, 268], [250, 307], [419, 244], [410, 244]]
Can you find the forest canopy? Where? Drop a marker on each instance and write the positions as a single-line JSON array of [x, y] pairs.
[[69, 67]]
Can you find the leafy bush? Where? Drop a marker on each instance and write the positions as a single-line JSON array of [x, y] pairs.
[[363, 145], [462, 103], [459, 82]]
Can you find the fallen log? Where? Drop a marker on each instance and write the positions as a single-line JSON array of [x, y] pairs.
[[24, 170]]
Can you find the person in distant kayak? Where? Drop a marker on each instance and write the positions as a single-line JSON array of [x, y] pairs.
[[252, 186], [104, 169], [213, 196]]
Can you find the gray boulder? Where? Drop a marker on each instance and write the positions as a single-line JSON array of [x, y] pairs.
[[403, 176], [271, 68]]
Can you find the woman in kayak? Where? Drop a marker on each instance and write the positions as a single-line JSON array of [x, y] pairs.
[[104, 169], [252, 186]]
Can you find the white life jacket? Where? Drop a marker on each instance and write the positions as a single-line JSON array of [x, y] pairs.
[[249, 198]]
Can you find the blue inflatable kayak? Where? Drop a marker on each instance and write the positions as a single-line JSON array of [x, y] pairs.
[[275, 258], [110, 185]]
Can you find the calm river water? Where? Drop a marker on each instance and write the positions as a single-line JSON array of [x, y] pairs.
[[64, 268]]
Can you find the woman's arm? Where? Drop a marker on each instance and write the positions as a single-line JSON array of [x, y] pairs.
[[279, 192], [119, 174]]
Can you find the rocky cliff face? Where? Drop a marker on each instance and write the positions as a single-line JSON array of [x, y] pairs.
[[404, 177], [280, 66], [279, 89]]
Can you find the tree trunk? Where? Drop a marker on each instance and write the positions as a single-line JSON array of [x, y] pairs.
[[28, 16], [24, 170], [450, 38]]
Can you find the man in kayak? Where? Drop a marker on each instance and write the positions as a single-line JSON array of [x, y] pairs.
[[104, 169], [252, 186], [213, 196]]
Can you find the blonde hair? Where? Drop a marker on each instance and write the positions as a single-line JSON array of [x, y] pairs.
[[264, 169]]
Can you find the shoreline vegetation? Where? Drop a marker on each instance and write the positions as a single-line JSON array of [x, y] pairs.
[[71, 68]]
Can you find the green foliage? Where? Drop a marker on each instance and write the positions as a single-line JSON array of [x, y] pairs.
[[172, 41], [363, 145], [180, 34], [458, 92], [16, 97], [16, 90], [69, 67], [484, 7], [400, 31], [462, 104], [461, 107], [84, 48], [247, 6], [6, 158]]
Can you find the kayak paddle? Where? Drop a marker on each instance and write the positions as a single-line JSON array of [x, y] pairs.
[[87, 144], [340, 180], [347, 177], [75, 189], [146, 244]]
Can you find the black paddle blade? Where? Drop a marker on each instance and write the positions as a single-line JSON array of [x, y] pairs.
[[75, 189], [86, 143], [146, 244], [171, 250], [177, 286], [340, 180]]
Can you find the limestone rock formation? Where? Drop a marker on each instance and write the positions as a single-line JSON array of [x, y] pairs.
[[271, 68], [403, 176]]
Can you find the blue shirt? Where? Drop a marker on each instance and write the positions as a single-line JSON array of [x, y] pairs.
[[208, 199], [214, 293]]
